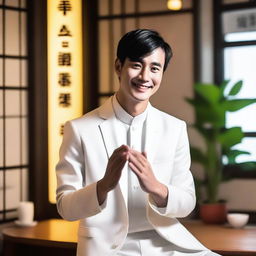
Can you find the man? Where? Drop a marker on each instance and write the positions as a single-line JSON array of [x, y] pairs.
[[124, 167]]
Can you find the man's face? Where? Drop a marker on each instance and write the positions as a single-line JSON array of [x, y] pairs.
[[139, 80]]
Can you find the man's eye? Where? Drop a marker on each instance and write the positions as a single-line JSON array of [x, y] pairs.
[[136, 65], [155, 69]]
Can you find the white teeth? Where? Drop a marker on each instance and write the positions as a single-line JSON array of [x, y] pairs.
[[144, 86]]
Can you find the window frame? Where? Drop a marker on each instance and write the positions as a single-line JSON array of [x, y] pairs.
[[219, 46], [8, 214]]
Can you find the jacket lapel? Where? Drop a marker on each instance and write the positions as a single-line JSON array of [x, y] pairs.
[[152, 132], [112, 140]]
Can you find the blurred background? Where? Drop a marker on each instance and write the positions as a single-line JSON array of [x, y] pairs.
[[42, 80]]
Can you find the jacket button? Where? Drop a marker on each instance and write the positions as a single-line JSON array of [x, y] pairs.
[[114, 246]]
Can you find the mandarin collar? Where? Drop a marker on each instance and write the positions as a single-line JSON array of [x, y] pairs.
[[126, 118]]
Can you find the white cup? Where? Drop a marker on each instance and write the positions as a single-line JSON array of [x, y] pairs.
[[26, 212], [237, 220]]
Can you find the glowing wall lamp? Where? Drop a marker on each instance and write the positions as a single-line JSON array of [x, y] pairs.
[[65, 75], [174, 5]]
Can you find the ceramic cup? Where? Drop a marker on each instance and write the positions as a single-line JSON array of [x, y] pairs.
[[26, 212], [237, 220]]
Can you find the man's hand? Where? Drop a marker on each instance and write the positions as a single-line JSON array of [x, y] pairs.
[[141, 167], [113, 172]]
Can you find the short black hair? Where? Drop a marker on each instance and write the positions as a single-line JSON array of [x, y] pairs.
[[140, 42]]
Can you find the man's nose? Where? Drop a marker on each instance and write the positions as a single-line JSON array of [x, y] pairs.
[[144, 75]]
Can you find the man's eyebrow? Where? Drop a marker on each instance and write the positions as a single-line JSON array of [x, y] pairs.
[[156, 64], [137, 60]]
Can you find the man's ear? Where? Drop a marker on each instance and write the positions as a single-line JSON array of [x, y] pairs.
[[118, 67]]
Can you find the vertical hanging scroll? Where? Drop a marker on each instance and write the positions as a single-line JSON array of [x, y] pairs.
[[65, 90]]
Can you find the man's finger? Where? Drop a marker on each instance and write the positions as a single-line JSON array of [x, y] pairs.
[[145, 154], [135, 169], [136, 162], [138, 157]]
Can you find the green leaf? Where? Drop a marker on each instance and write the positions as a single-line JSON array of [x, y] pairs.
[[210, 116], [234, 105], [191, 101], [236, 88], [223, 86], [207, 133], [197, 155], [200, 108], [202, 131], [207, 112], [210, 92], [245, 166], [248, 166], [230, 137], [198, 102], [233, 154]]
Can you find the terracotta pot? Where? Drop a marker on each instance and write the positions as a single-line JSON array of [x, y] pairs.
[[213, 213]]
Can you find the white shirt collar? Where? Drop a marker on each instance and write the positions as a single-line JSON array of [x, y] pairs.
[[126, 118]]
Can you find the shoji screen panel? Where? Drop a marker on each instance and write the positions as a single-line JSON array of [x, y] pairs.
[[13, 107]]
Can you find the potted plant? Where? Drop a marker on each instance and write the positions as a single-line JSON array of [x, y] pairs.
[[211, 103]]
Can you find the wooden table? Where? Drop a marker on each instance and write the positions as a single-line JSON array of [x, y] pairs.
[[59, 237], [52, 237], [224, 239]]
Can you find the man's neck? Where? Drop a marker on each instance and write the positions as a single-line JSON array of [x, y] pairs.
[[134, 108]]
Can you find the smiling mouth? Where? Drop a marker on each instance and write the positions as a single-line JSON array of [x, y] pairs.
[[143, 86]]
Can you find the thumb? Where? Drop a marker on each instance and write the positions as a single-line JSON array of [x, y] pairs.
[[145, 154]]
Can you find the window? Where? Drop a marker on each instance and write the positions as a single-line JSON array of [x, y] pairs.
[[236, 51], [13, 108], [239, 63]]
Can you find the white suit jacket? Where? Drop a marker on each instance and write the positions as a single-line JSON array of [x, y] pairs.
[[88, 143]]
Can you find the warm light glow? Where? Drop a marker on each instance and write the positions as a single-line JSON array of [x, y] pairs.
[[174, 4], [64, 31]]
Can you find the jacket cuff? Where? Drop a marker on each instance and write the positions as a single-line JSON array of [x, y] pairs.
[[159, 210]]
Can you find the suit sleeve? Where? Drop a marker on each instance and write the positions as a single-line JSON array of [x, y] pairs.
[[181, 190], [74, 201]]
